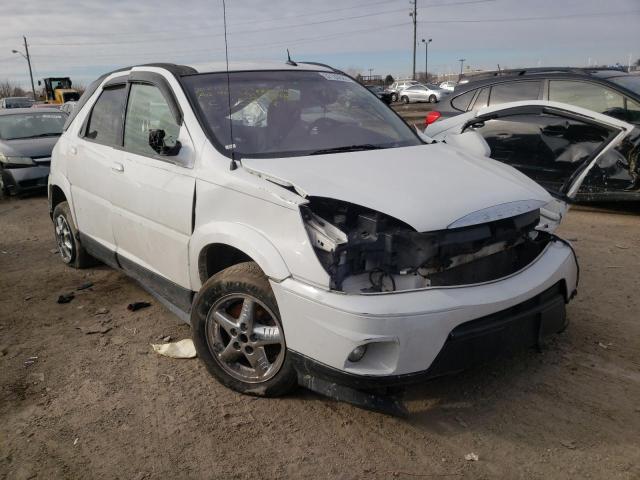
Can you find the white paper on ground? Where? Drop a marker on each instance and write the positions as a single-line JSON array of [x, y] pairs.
[[182, 349]]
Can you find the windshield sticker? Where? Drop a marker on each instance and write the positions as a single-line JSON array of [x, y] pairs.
[[336, 77], [51, 116]]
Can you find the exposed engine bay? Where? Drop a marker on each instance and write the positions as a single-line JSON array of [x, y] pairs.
[[365, 251]]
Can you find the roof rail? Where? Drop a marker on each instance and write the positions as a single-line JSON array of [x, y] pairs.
[[534, 70], [318, 64]]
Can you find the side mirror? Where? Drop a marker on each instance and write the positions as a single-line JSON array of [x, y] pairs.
[[39, 83], [156, 142]]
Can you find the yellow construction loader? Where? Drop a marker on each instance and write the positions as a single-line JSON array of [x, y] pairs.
[[58, 90]]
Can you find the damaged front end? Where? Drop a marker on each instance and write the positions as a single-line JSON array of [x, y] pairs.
[[365, 251]]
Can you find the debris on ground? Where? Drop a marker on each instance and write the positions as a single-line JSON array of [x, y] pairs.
[[102, 311], [66, 298], [30, 361], [75, 442], [570, 444], [85, 285], [471, 457], [137, 306], [95, 328], [182, 349]]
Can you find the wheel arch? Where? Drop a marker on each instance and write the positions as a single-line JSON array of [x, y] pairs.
[[224, 244]]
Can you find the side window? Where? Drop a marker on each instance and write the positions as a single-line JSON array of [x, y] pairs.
[[482, 100], [546, 147], [633, 111], [147, 110], [105, 122], [461, 102], [587, 95], [514, 92]]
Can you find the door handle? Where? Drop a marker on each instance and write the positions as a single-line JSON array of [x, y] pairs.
[[117, 167]]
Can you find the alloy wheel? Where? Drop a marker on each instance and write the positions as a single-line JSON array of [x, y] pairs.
[[63, 238], [245, 338]]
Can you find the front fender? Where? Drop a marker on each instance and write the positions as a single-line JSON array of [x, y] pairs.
[[242, 237]]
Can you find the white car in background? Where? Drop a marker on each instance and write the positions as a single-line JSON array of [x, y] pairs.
[[573, 152], [448, 85], [324, 246]]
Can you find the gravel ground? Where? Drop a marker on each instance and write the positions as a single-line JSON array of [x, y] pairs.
[[102, 405]]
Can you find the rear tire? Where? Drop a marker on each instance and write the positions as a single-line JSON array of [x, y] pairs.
[[432, 99], [238, 334], [66, 234], [405, 100]]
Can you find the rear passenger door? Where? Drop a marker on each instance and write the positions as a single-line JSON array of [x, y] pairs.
[[91, 161], [153, 194]]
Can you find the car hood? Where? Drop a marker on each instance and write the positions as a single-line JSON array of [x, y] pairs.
[[429, 187], [28, 147]]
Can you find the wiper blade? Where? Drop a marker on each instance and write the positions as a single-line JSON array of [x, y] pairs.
[[347, 148], [50, 134]]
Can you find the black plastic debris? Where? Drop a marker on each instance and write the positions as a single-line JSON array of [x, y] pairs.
[[85, 285], [138, 306], [66, 298]]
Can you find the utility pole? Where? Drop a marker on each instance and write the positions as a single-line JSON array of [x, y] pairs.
[[426, 59], [462, 60], [414, 15], [370, 76], [28, 59]]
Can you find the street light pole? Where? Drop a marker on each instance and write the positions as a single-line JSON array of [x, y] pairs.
[[426, 59], [414, 16], [462, 60], [27, 57]]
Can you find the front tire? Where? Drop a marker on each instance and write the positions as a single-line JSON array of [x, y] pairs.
[[238, 334], [432, 99], [405, 100], [394, 97], [71, 251]]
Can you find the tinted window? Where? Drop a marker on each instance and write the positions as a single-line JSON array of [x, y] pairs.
[[546, 147], [587, 95], [461, 102], [482, 100], [514, 92], [106, 117], [630, 82], [147, 110]]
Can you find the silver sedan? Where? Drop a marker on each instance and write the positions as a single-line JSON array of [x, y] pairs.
[[422, 93]]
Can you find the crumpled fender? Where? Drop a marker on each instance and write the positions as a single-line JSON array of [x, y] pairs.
[[242, 237]]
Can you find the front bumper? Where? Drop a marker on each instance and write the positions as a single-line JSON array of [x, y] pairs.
[[419, 334], [22, 180]]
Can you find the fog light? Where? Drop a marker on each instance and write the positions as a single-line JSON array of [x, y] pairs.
[[357, 353]]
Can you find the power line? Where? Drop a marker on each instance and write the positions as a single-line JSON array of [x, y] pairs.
[[255, 30], [526, 19]]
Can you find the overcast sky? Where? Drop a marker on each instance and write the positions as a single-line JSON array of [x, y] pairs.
[[83, 39]]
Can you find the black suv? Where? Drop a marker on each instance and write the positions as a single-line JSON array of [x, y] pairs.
[[609, 91]]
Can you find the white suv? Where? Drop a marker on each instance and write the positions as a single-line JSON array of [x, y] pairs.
[[306, 241]]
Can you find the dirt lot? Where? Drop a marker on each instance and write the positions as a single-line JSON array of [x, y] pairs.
[[104, 405]]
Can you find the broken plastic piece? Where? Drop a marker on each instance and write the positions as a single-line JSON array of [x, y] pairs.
[[472, 457], [137, 306], [387, 404], [182, 349]]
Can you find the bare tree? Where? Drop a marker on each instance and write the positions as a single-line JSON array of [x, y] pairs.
[[10, 89]]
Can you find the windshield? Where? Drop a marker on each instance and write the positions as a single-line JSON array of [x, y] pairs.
[[286, 113], [630, 82], [29, 125]]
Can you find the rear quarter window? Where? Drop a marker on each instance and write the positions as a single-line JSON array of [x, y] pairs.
[[461, 102]]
